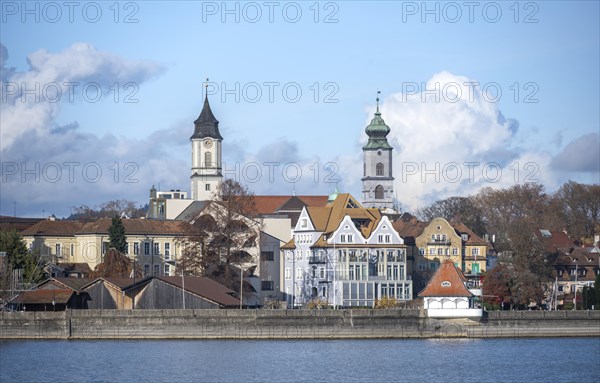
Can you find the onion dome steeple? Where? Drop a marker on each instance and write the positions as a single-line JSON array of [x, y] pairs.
[[206, 125], [377, 131]]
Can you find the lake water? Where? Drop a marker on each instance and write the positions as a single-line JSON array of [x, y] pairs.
[[449, 360]]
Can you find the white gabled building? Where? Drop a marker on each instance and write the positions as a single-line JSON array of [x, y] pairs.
[[346, 255]]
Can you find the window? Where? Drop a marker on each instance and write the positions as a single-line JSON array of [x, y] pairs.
[[561, 288], [146, 248], [288, 273], [208, 159], [146, 270], [422, 266], [304, 223], [324, 291], [156, 248], [380, 238], [72, 250], [58, 249], [379, 169], [446, 284], [388, 238], [379, 192], [267, 255], [343, 238], [104, 247], [156, 270], [454, 251], [440, 251], [136, 248], [322, 273], [432, 266], [350, 238], [207, 187], [167, 269], [572, 271], [267, 285], [167, 250], [475, 251], [432, 251], [314, 272], [422, 250], [299, 273], [560, 273]]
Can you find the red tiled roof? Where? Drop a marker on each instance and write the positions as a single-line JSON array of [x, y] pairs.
[[557, 240], [474, 239], [447, 272], [44, 297]]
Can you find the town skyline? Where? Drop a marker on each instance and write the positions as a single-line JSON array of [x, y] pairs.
[[444, 127]]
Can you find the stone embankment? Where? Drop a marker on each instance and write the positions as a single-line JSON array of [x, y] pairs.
[[290, 324]]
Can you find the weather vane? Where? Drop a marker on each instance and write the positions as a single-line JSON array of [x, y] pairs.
[[206, 86]]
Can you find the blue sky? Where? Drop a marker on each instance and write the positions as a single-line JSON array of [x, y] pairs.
[[542, 56]]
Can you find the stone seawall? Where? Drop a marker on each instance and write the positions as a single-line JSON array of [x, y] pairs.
[[290, 324]]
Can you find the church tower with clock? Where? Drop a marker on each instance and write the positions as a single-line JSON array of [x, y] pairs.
[[206, 155], [378, 182]]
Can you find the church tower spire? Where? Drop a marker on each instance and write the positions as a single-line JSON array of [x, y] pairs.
[[378, 182], [206, 154]]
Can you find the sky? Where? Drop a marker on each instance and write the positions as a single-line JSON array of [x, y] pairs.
[[99, 98]]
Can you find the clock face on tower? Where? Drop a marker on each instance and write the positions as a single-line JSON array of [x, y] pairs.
[[208, 143]]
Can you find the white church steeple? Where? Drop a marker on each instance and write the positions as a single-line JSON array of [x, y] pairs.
[[206, 154]]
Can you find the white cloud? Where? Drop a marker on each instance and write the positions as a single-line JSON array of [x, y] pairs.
[[31, 100], [454, 144]]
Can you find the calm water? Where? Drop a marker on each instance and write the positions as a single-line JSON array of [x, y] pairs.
[[489, 360]]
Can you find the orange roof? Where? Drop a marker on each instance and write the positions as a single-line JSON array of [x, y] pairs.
[[438, 285]]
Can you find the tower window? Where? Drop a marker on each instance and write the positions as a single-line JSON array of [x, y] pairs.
[[207, 159], [379, 192], [379, 169]]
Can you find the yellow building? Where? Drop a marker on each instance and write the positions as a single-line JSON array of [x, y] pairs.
[[441, 240], [153, 244]]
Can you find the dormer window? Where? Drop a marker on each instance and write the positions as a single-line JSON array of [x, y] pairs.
[[304, 223], [465, 237], [446, 284]]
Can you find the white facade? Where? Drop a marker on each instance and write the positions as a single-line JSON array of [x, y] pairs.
[[206, 167], [346, 269]]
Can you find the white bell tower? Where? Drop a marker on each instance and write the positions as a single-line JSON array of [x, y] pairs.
[[206, 155]]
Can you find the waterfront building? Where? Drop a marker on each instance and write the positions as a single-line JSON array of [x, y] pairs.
[[344, 254], [441, 240], [446, 294]]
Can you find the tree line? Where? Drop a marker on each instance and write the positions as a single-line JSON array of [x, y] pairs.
[[512, 216]]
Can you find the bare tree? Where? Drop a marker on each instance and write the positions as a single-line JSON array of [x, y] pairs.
[[219, 241], [462, 209]]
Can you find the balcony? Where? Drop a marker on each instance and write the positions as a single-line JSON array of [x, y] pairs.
[[317, 259], [439, 242]]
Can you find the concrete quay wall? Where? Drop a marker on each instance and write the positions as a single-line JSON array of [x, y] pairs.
[[290, 324]]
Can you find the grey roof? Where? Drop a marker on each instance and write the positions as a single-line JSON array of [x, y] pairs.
[[191, 211], [206, 125]]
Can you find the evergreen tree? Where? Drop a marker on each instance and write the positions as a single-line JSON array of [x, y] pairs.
[[18, 257], [116, 235]]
